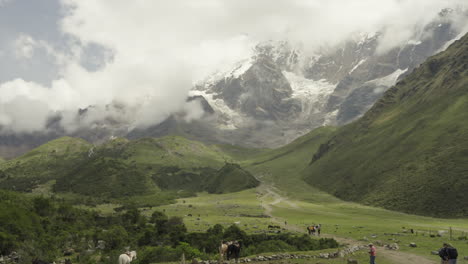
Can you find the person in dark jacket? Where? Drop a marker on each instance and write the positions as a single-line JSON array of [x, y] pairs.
[[450, 253], [443, 255]]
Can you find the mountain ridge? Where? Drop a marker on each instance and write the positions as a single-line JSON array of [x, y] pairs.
[[412, 142]]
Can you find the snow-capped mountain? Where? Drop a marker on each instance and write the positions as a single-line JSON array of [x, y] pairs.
[[280, 92]]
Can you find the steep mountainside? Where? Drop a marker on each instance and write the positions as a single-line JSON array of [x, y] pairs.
[[409, 152], [300, 91], [121, 168]]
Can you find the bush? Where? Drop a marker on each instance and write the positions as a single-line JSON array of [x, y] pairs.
[[166, 253]]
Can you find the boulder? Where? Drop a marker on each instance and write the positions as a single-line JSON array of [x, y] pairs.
[[412, 244], [352, 261], [101, 244], [393, 246]]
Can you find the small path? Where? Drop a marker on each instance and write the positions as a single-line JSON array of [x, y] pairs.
[[396, 257]]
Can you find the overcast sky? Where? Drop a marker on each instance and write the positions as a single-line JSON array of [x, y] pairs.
[[61, 55]]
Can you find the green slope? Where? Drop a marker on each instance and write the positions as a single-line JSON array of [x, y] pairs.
[[410, 151], [231, 178], [41, 164], [282, 167], [118, 168]]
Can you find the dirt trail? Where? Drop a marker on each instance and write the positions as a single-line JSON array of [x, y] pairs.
[[396, 257]]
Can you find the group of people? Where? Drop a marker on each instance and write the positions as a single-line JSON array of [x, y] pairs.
[[314, 229], [448, 254], [230, 250]]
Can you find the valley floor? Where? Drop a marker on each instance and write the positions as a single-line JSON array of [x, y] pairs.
[[349, 223]]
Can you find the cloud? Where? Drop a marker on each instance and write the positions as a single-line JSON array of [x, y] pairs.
[[144, 56], [24, 46]]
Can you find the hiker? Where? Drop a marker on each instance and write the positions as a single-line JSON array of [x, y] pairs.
[[443, 255], [311, 230], [451, 253], [318, 228], [372, 252]]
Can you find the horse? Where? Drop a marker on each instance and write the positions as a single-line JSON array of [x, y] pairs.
[[234, 251], [127, 257], [223, 249], [311, 230]]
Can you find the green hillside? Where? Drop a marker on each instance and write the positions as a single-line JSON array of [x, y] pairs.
[[410, 151], [231, 178], [42, 164], [121, 168], [282, 167]]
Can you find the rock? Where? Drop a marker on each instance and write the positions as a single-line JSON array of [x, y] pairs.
[[378, 243], [101, 244], [434, 252], [466, 258], [412, 244], [352, 261], [393, 246]]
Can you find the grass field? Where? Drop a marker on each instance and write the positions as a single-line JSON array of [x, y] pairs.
[[287, 198]]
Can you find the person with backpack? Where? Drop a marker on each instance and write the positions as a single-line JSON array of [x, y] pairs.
[[443, 255], [451, 253]]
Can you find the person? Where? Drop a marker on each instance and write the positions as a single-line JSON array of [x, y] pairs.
[[318, 227], [443, 255], [452, 253], [372, 253]]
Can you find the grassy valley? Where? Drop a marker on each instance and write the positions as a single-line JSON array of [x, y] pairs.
[[167, 196]]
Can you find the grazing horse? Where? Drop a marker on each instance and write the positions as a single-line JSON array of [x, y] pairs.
[[127, 257], [223, 249], [311, 230], [233, 251]]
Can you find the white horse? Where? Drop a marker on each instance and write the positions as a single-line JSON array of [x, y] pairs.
[[127, 257]]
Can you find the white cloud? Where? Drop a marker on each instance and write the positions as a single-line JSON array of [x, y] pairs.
[[160, 48], [24, 46]]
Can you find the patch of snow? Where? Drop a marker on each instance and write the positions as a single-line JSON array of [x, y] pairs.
[[235, 71], [241, 68], [228, 119], [357, 65], [312, 94], [330, 118], [388, 80], [414, 42]]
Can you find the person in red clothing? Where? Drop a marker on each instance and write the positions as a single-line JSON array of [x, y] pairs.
[[372, 252]]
